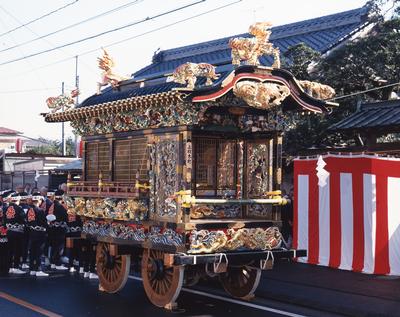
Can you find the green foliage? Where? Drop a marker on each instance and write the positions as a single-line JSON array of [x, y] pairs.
[[298, 58], [54, 147], [368, 62]]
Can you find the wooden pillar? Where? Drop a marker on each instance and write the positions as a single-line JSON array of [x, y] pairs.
[[84, 150], [278, 138], [278, 161]]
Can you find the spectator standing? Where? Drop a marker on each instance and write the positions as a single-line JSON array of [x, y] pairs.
[[4, 248], [287, 220], [28, 188], [24, 197], [37, 225], [57, 230], [74, 231], [15, 224]]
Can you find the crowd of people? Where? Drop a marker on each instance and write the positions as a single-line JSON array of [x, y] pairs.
[[34, 225]]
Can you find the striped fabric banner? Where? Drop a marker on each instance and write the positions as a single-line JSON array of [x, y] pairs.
[[353, 221]]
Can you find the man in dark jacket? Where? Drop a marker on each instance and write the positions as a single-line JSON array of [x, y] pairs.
[[74, 231], [4, 248], [57, 229], [37, 225], [46, 203], [23, 203], [15, 224]]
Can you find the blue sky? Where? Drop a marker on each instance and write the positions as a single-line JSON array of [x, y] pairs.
[[26, 84]]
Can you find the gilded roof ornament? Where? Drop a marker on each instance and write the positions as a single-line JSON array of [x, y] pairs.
[[250, 49], [261, 95], [62, 102], [187, 74], [317, 90], [106, 63]]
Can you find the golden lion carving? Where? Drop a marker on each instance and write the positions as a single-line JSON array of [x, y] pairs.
[[250, 49], [188, 73], [317, 90], [106, 63], [261, 95], [62, 101]]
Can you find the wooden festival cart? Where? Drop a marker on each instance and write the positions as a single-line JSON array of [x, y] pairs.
[[185, 177]]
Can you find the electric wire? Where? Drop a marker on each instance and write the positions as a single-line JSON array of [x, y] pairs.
[[136, 36], [39, 18], [72, 25], [364, 91], [102, 33], [27, 90], [44, 40]]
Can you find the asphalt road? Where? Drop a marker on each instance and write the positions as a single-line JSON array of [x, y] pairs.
[[63, 294], [291, 289]]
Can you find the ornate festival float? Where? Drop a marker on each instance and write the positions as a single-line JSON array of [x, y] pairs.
[[183, 171]]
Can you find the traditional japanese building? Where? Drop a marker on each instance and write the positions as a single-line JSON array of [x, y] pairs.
[[322, 34], [375, 127]]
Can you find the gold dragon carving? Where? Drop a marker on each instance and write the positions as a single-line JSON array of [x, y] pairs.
[[250, 49], [261, 95], [205, 241], [187, 74], [62, 101], [106, 63], [317, 90]]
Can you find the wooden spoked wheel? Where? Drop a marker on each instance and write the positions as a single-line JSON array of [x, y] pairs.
[[162, 284], [241, 282], [113, 271]]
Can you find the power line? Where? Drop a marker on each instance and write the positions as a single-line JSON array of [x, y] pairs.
[[138, 35], [102, 33], [72, 25], [364, 91], [28, 28], [39, 18], [26, 90]]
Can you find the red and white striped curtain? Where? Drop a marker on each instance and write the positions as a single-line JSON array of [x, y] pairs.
[[353, 221]]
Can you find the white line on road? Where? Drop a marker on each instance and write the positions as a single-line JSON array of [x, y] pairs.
[[231, 300]]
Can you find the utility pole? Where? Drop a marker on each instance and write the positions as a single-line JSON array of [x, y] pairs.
[[63, 145], [76, 102]]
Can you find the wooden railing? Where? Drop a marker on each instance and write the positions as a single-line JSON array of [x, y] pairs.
[[104, 189]]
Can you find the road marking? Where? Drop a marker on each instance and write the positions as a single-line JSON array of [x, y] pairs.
[[30, 306], [231, 300]]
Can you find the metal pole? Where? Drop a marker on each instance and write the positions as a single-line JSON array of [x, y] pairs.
[[238, 201], [76, 102], [63, 145]]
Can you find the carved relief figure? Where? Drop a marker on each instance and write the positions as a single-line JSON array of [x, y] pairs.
[[261, 95], [62, 101], [317, 90], [250, 49], [106, 63], [188, 73]]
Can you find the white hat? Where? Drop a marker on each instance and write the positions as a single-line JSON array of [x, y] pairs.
[[50, 217]]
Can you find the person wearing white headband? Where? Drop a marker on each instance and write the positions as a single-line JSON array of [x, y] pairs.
[[37, 224], [57, 230], [15, 224], [24, 204]]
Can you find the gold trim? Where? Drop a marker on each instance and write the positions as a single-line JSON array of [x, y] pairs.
[[113, 106]]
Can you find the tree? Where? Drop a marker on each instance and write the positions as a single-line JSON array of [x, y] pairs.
[[54, 147], [370, 62], [298, 58]]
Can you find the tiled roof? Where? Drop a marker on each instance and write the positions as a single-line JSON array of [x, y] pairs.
[[8, 131], [385, 114], [150, 87], [321, 34], [73, 165]]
